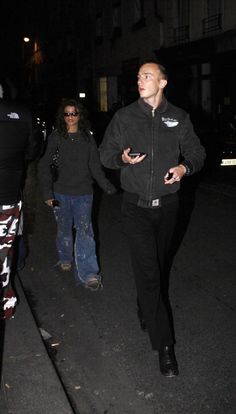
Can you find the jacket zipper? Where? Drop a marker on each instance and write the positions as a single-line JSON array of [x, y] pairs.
[[152, 157]]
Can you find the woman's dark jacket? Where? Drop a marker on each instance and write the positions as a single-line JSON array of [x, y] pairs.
[[165, 134], [79, 166]]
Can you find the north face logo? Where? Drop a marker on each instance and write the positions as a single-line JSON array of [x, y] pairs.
[[13, 115]]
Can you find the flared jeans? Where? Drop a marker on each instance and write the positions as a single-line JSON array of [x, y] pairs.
[[75, 236]]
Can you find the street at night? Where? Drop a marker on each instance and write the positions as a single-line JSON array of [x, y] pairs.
[[117, 107], [95, 343]]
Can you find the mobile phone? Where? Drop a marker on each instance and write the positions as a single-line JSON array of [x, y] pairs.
[[169, 176], [136, 154], [55, 203]]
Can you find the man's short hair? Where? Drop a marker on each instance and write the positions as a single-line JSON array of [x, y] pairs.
[[159, 65]]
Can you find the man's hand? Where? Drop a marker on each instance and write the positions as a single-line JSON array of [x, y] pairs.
[[129, 160], [175, 173]]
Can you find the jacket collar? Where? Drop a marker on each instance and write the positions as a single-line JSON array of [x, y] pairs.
[[148, 108]]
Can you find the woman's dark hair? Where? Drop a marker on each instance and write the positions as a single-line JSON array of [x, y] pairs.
[[84, 124]]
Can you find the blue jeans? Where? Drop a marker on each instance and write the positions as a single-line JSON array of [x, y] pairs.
[[75, 211]]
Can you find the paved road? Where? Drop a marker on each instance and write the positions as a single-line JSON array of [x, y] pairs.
[[103, 358]]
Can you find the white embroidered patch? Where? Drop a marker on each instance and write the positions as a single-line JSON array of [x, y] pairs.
[[170, 122], [13, 115]]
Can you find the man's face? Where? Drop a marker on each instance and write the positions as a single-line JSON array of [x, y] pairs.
[[150, 81]]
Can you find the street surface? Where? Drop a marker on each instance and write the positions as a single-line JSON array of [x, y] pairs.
[[94, 340]]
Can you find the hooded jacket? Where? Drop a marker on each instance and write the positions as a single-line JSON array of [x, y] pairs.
[[165, 134]]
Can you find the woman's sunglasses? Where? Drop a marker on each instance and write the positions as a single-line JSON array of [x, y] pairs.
[[71, 113]]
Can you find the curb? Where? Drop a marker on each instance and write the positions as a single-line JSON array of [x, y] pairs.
[[30, 381]]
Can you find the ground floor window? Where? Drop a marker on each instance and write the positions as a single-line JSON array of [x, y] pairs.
[[103, 94]]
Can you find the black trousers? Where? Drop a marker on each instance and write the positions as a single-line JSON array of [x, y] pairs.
[[149, 233]]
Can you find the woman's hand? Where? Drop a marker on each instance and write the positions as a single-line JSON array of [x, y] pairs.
[[49, 202]]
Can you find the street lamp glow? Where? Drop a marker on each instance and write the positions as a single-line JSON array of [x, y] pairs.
[[26, 39]]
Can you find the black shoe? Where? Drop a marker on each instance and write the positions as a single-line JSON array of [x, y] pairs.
[[142, 322], [167, 362]]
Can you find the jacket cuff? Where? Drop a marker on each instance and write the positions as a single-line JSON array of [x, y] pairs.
[[188, 166]]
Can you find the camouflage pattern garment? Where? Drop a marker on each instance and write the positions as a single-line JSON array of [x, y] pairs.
[[9, 219]]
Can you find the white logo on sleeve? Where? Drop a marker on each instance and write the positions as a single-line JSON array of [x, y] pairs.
[[170, 122], [13, 115]]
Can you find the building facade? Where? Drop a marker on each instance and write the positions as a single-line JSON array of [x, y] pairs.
[[194, 39], [94, 47]]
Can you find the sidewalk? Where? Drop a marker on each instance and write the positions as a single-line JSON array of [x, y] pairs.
[[30, 384]]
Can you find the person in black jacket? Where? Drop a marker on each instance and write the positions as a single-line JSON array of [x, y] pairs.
[[71, 193], [17, 146], [155, 146]]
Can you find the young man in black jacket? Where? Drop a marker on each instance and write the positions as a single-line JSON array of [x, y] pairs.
[[154, 145], [16, 147]]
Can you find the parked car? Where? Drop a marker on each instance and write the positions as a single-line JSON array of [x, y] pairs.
[[228, 155]]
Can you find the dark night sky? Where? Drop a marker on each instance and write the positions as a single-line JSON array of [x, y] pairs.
[[14, 21], [53, 27], [19, 19]]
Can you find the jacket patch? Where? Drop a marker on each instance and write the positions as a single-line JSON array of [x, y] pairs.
[[170, 122], [13, 115]]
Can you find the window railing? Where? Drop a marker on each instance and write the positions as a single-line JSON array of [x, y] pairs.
[[212, 24], [181, 34]]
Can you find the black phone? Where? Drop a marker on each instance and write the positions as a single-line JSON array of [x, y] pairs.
[[169, 176], [136, 154]]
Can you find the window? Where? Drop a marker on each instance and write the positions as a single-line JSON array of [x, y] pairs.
[[213, 21], [116, 19], [157, 10], [214, 7], [183, 12], [138, 10], [99, 32], [116, 15], [103, 94], [181, 32], [138, 14]]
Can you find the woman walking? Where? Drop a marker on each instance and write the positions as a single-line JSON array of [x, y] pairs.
[[71, 192]]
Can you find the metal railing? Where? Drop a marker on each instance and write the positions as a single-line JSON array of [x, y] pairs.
[[181, 34], [212, 24]]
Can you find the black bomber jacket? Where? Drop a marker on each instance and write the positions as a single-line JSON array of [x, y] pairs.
[[165, 134]]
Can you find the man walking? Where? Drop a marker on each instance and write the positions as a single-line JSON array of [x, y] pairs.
[[154, 145], [16, 146]]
